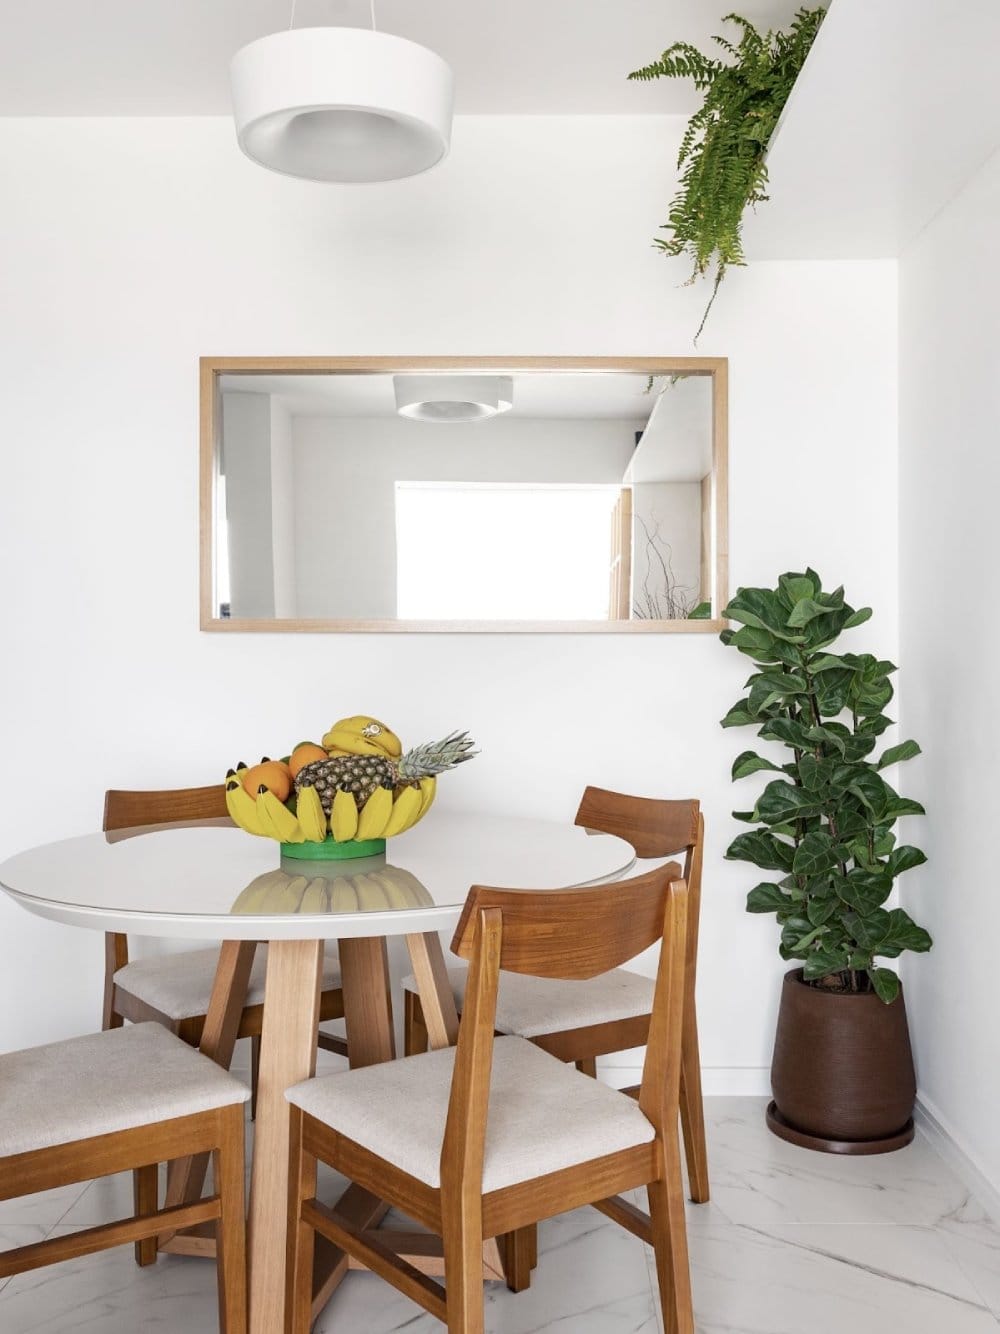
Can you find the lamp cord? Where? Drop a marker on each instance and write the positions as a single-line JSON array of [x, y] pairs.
[[374, 29]]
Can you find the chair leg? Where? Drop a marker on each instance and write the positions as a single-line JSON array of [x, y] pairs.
[[518, 1249], [231, 1259], [145, 1193], [301, 1238], [693, 1112], [463, 1273], [254, 1074], [588, 1066], [415, 1039], [668, 1223]]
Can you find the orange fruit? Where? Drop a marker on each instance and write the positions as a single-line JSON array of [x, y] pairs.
[[273, 775], [306, 752]]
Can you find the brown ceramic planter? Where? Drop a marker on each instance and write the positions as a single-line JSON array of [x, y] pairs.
[[842, 1074]]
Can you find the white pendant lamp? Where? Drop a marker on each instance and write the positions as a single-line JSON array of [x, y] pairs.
[[341, 104], [452, 398]]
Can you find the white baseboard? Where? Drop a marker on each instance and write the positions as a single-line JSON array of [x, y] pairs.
[[935, 1127], [717, 1081]]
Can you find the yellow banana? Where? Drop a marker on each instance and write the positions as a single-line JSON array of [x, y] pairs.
[[344, 817], [375, 814], [362, 735], [428, 788], [311, 815], [405, 811], [287, 825], [243, 808]]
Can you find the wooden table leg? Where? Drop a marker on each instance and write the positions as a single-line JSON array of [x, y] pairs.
[[288, 1055], [364, 967], [437, 1000], [186, 1176]]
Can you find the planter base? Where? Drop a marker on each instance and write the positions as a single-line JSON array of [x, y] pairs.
[[777, 1125]]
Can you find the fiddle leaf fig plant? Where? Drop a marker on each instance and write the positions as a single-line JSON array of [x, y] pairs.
[[723, 148], [824, 821]]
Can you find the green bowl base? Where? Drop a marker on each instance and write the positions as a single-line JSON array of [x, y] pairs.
[[332, 851]]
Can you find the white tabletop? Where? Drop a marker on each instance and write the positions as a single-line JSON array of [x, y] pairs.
[[207, 882]]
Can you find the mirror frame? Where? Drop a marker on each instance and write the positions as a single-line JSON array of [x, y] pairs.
[[212, 368]]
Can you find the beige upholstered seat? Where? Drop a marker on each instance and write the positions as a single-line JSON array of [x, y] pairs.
[[180, 985], [105, 1082], [532, 1006], [543, 1115]]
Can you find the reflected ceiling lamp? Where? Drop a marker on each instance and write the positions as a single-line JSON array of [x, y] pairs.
[[341, 104], [453, 398]]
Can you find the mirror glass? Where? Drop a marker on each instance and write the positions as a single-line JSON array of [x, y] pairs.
[[463, 499]]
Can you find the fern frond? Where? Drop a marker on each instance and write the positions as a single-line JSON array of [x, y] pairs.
[[721, 154]]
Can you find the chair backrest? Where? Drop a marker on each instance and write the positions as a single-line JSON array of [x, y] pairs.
[[564, 933], [131, 811], [571, 933], [655, 828]]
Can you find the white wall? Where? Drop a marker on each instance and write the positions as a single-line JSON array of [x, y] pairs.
[[949, 649], [346, 469], [131, 247]]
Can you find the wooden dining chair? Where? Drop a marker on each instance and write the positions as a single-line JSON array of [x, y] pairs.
[[124, 1101], [579, 1021], [486, 1138], [174, 989]]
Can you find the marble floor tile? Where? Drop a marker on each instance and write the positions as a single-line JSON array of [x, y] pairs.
[[759, 1179], [976, 1247], [46, 1208], [592, 1279], [19, 1234], [830, 1278]]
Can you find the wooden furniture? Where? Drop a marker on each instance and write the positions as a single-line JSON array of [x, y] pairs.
[[658, 369], [471, 1158], [578, 1022], [114, 1101], [174, 989], [189, 883]]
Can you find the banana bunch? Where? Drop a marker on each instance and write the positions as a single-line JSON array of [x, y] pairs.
[[375, 891], [386, 813]]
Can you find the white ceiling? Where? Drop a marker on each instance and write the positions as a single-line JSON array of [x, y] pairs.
[[613, 396], [171, 57]]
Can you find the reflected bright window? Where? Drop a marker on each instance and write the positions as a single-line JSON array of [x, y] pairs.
[[487, 551]]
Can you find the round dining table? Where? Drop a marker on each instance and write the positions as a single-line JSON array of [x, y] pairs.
[[211, 881]]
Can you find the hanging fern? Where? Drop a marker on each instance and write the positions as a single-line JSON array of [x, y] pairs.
[[722, 152]]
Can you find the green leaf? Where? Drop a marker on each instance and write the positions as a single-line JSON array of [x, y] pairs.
[[750, 763], [823, 961], [820, 910], [805, 611], [900, 806], [762, 849], [767, 897], [738, 716], [858, 618], [814, 855], [886, 984], [906, 750], [902, 933], [761, 609], [904, 858], [798, 586], [872, 790], [782, 801]]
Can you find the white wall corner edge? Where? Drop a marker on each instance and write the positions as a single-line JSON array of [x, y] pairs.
[[934, 1126]]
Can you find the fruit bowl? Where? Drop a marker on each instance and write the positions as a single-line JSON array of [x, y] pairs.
[[344, 798]]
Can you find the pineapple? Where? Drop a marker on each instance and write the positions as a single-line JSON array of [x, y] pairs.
[[361, 775]]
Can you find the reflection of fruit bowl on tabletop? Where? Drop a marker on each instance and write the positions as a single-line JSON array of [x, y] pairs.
[[376, 888], [344, 798]]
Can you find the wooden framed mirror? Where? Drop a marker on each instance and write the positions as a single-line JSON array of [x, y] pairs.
[[464, 494]]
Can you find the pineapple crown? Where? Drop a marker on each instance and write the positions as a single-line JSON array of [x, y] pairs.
[[434, 757]]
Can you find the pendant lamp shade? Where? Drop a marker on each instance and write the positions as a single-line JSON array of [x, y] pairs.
[[341, 104], [453, 398]]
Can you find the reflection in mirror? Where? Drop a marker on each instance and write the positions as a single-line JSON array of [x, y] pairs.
[[367, 884], [536, 496]]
